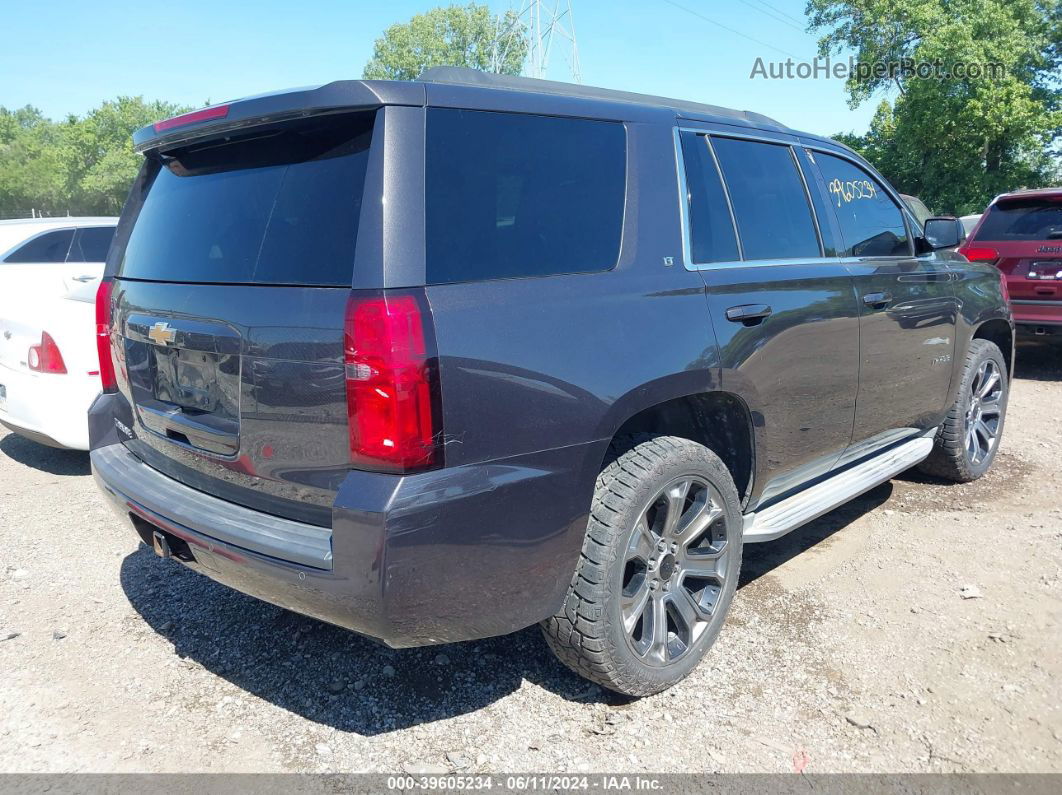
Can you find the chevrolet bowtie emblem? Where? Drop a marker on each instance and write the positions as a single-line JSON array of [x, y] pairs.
[[162, 334]]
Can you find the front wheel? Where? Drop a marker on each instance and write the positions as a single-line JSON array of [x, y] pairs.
[[967, 442], [658, 568]]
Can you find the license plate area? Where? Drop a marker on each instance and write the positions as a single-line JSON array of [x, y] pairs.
[[184, 376], [1045, 270]]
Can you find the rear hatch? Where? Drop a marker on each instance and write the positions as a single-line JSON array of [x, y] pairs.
[[1022, 235], [229, 311]]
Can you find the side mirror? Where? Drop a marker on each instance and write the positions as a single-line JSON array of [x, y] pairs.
[[944, 232]]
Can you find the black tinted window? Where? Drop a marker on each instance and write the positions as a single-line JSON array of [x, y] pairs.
[[770, 202], [712, 237], [91, 244], [279, 208], [871, 222], [49, 247], [512, 195], [1023, 219]]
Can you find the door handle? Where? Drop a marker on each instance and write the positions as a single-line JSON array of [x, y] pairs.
[[877, 300], [748, 314], [88, 277]]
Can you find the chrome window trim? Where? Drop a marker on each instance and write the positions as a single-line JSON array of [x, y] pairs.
[[684, 200]]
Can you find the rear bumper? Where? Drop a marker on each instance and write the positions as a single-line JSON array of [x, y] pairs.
[[1036, 313], [49, 409], [443, 556]]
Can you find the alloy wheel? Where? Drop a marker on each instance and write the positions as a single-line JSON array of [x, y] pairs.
[[675, 569], [984, 412]]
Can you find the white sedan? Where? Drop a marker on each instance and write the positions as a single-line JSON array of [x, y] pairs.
[[49, 367]]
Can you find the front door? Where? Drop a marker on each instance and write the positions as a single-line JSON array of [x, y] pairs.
[[907, 310]]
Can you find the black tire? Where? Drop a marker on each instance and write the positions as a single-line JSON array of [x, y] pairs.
[[620, 563], [953, 457]]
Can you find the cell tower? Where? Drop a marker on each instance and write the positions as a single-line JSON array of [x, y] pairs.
[[551, 27]]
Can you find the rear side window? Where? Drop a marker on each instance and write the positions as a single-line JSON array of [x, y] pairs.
[[513, 195], [871, 222], [91, 244], [48, 247], [275, 208], [1023, 219], [769, 198], [712, 237]]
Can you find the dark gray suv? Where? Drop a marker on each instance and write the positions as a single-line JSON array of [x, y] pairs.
[[439, 360]]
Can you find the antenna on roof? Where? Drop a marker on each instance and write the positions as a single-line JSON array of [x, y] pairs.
[[550, 26]]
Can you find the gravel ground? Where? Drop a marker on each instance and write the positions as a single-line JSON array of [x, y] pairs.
[[917, 629]]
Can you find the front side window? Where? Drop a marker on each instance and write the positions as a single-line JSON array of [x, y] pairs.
[[770, 203], [712, 237], [871, 222], [49, 247], [512, 195]]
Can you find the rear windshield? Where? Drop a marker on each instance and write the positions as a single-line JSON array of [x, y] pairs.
[[1023, 219], [511, 195], [276, 208]]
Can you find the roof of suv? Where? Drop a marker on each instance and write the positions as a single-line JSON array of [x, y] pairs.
[[444, 84], [1031, 193]]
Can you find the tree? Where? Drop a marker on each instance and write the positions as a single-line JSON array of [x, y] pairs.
[[452, 36], [958, 140], [81, 166]]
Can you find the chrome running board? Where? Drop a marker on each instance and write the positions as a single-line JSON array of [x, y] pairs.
[[813, 502]]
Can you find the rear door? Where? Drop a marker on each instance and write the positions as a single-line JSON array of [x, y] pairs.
[[907, 309], [229, 305], [1023, 236], [782, 306]]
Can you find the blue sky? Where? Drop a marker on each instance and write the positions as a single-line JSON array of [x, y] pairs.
[[76, 54]]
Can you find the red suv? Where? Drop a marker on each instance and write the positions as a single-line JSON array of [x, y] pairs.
[[1021, 234]]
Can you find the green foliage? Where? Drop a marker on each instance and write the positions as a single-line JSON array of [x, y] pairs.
[[452, 36], [80, 166], [955, 142]]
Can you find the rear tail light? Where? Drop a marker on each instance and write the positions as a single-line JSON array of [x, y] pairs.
[[392, 383], [103, 335], [46, 358], [979, 254]]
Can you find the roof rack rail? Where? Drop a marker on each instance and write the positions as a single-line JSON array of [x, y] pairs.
[[464, 76]]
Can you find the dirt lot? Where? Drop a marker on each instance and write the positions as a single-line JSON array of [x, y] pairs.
[[917, 629]]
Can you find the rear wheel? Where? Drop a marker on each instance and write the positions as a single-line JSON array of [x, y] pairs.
[[967, 441], [658, 568]]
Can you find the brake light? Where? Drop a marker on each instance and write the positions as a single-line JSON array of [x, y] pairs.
[[977, 254], [206, 114], [103, 335], [392, 383], [46, 358]]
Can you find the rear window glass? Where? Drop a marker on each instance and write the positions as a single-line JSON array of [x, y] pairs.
[[49, 247], [770, 202], [511, 195], [1023, 219], [277, 208], [712, 237]]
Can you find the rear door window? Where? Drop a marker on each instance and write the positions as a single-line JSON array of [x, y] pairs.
[[712, 236], [871, 222], [1023, 219], [514, 195], [274, 208], [48, 247], [770, 202], [91, 244]]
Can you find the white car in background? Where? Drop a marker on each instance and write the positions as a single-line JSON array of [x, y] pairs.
[[49, 367], [50, 269], [970, 221], [46, 257]]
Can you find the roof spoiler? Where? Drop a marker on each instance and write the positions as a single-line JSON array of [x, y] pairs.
[[342, 95]]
